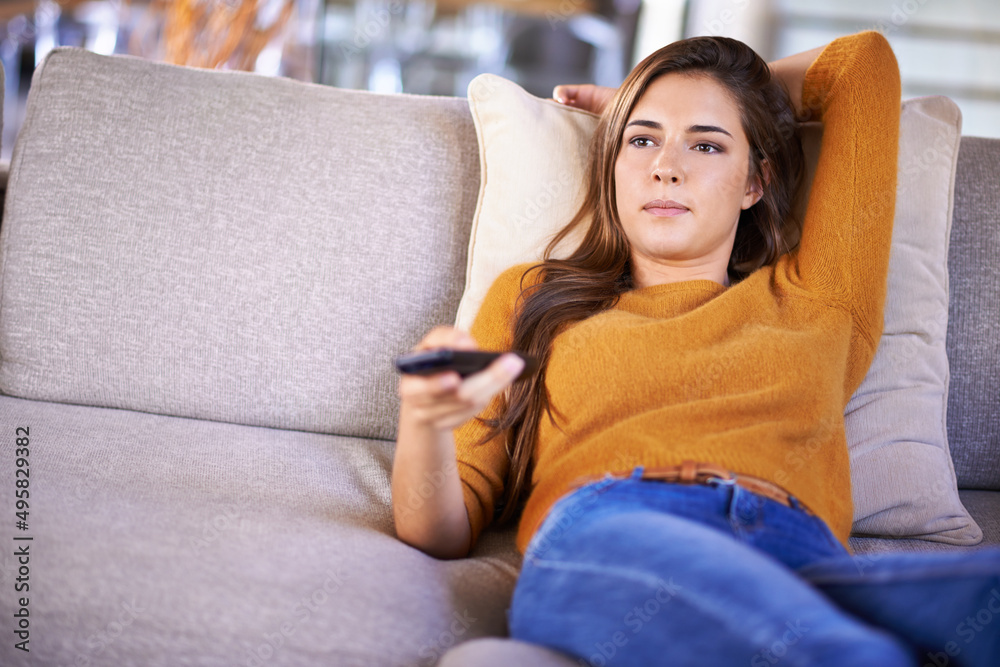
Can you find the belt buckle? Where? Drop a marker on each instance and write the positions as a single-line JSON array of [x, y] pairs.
[[716, 481]]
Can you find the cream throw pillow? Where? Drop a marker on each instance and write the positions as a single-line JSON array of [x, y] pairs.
[[533, 156], [532, 162]]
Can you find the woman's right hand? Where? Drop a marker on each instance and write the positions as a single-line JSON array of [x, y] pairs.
[[444, 401], [584, 96]]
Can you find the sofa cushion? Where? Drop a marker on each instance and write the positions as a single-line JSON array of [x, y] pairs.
[[902, 472], [983, 506], [228, 246], [974, 316], [903, 482], [167, 541], [532, 157]]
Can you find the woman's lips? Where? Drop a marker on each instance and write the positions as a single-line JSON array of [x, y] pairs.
[[666, 211], [665, 208]]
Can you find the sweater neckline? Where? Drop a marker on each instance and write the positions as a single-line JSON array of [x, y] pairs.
[[700, 284]]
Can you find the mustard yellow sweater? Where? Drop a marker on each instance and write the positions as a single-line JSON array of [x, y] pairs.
[[754, 377]]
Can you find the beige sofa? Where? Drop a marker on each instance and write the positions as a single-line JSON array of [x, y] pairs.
[[204, 278]]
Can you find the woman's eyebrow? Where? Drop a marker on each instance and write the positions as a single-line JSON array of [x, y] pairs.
[[645, 123], [694, 129]]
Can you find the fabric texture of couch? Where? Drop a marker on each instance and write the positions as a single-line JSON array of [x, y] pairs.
[[204, 278]]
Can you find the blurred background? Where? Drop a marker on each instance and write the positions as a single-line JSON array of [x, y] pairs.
[[944, 47]]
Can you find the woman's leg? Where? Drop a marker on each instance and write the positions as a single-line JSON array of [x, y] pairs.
[[612, 580], [946, 603]]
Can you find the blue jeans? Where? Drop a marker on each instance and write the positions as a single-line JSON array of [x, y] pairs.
[[639, 572]]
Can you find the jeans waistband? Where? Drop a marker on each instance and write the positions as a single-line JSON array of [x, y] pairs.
[[694, 472]]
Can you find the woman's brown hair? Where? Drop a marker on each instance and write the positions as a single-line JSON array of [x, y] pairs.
[[591, 279]]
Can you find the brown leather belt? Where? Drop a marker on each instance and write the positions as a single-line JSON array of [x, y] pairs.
[[693, 472]]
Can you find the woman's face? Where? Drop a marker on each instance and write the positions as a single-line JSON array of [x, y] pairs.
[[681, 180]]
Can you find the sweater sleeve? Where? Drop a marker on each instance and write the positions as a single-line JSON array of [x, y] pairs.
[[853, 87], [482, 468]]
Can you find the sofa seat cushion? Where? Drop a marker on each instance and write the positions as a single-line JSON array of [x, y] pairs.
[[153, 533]]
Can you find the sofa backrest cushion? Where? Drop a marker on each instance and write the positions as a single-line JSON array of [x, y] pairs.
[[226, 246], [974, 316]]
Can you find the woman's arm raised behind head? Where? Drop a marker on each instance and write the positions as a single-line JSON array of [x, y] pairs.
[[853, 87], [791, 72]]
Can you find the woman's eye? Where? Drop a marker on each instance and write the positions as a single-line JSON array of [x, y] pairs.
[[640, 142], [706, 148]]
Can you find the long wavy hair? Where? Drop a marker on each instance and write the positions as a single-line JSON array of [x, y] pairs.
[[591, 279]]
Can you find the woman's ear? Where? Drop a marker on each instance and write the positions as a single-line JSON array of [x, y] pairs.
[[756, 185]]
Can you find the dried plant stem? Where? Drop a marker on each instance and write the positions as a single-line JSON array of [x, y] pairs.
[[207, 33]]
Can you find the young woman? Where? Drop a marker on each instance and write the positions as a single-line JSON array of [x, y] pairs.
[[694, 345]]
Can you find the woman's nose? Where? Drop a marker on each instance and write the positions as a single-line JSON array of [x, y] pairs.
[[667, 168]]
